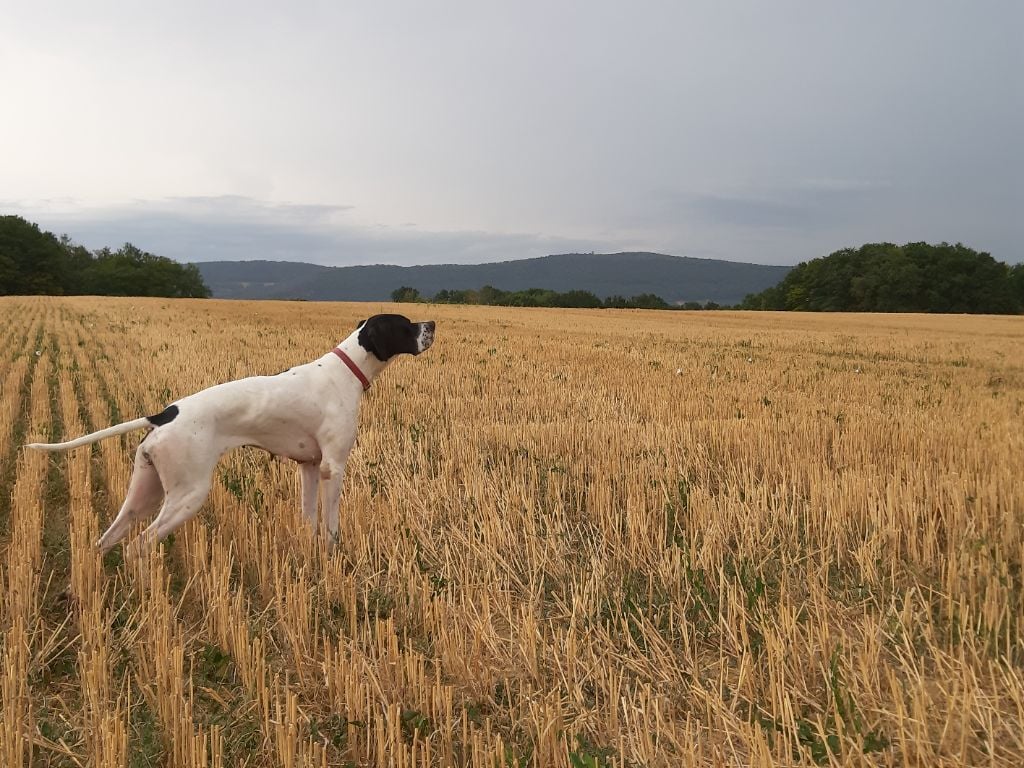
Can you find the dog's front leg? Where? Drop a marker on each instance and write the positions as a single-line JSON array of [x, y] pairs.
[[332, 474], [309, 473]]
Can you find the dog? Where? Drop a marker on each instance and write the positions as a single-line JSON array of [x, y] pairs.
[[308, 414]]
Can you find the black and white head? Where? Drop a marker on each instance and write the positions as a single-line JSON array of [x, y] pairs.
[[385, 336]]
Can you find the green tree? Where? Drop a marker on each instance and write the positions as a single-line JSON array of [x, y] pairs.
[[130, 271], [544, 297], [1016, 278], [648, 301], [491, 295], [405, 294], [582, 299], [77, 262], [883, 277], [31, 261], [445, 296]]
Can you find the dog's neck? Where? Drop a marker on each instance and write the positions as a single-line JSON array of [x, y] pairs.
[[366, 361]]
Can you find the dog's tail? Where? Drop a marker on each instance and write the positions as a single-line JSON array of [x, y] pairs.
[[146, 422], [120, 429]]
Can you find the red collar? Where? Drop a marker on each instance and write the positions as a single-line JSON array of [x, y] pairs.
[[353, 367]]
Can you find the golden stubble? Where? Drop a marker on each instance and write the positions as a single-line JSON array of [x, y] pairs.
[[568, 538]]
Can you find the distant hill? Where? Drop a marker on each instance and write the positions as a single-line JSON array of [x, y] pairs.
[[674, 278]]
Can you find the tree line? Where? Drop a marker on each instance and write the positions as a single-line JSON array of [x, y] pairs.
[[883, 277], [876, 277], [33, 261], [542, 297]]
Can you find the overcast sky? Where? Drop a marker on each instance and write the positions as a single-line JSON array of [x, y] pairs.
[[416, 132]]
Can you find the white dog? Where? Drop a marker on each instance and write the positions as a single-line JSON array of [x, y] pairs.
[[308, 413]]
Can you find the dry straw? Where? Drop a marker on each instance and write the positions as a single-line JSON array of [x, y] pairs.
[[568, 538]]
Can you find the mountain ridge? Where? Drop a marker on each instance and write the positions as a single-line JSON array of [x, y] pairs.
[[674, 278]]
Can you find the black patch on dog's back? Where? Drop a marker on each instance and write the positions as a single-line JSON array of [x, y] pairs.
[[166, 416]]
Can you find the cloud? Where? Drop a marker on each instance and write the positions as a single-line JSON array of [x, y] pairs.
[[497, 126], [838, 185], [751, 212], [235, 227], [809, 205]]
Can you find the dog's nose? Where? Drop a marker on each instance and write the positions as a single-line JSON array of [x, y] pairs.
[[429, 325]]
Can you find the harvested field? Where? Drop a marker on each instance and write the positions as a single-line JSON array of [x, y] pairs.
[[568, 538]]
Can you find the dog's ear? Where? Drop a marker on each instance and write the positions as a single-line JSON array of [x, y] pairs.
[[360, 324], [372, 340]]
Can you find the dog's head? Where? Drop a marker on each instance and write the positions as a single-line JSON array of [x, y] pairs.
[[385, 336]]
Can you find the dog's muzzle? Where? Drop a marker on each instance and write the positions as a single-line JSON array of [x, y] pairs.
[[426, 337]]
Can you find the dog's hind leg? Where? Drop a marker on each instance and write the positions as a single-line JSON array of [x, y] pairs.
[[144, 495], [186, 464], [180, 506]]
